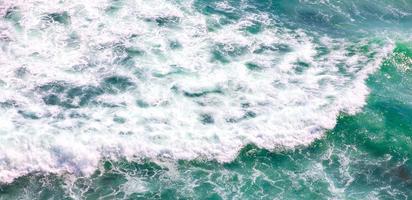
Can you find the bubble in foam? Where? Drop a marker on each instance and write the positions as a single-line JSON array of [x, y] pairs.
[[149, 79]]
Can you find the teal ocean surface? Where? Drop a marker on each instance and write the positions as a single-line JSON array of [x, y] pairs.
[[205, 99]]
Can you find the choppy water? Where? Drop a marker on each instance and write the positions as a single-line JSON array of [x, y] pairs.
[[201, 99]]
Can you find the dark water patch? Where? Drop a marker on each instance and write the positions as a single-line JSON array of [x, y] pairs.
[[253, 66], [127, 61], [343, 69], [322, 51], [134, 51], [218, 56], [300, 67], [165, 21], [110, 105], [75, 114], [58, 17], [54, 87], [247, 115], [117, 84], [206, 119], [202, 93], [175, 44], [28, 114], [68, 96], [245, 105], [21, 72], [274, 48], [13, 15], [125, 55], [142, 104], [120, 120], [81, 96], [8, 104], [51, 100]]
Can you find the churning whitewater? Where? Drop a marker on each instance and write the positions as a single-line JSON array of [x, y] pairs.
[[157, 79]]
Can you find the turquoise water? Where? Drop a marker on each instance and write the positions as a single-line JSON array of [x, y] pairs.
[[105, 116]]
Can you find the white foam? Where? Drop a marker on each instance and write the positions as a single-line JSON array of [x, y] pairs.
[[291, 108]]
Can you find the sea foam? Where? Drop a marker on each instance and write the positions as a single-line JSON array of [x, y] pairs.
[[82, 82]]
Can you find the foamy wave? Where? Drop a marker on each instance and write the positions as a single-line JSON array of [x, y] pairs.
[[147, 79]]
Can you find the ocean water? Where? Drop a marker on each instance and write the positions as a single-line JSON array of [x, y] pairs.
[[204, 99]]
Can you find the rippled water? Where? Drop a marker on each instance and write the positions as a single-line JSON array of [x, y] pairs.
[[135, 99]]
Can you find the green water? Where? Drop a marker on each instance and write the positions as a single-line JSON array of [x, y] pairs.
[[365, 156]]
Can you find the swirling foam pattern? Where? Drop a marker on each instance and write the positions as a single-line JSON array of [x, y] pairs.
[[93, 80], [85, 81]]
